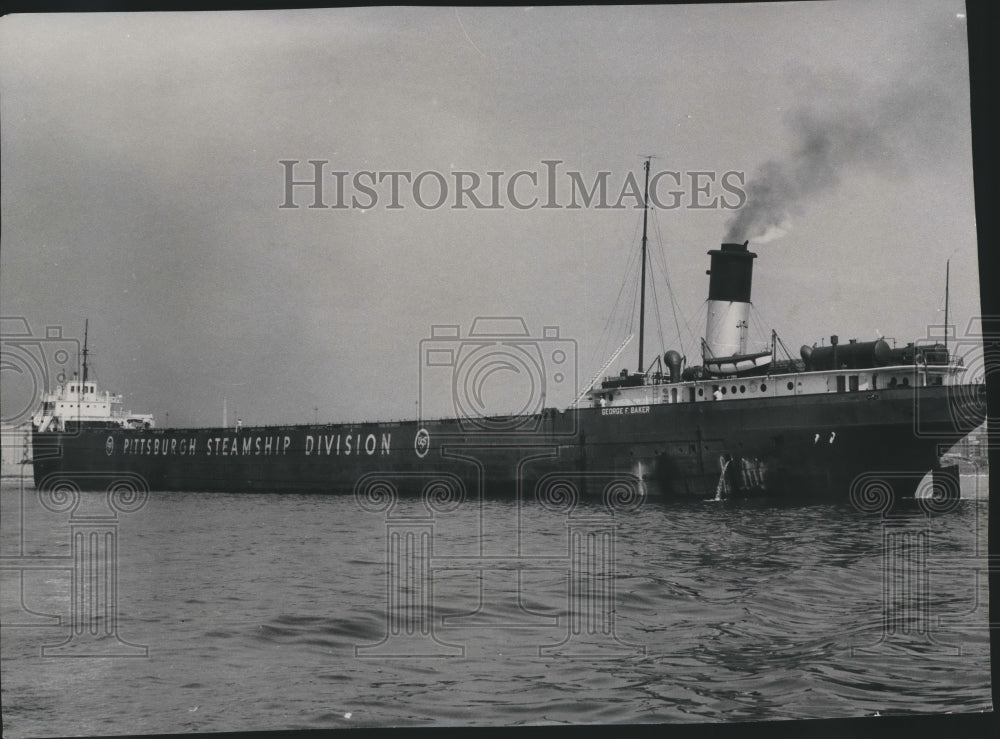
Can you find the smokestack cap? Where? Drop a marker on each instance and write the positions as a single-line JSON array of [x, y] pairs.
[[731, 273], [731, 249]]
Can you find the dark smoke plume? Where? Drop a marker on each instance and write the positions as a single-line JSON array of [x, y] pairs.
[[885, 130], [780, 187]]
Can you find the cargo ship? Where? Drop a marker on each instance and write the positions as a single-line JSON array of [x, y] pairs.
[[858, 421]]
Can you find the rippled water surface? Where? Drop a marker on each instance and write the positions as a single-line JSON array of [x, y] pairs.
[[283, 612]]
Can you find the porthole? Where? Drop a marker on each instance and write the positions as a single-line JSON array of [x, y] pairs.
[[763, 387], [734, 390], [743, 388], [791, 386], [906, 382], [723, 390], [701, 392]]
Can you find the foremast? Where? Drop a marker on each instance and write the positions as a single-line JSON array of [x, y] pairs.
[[642, 296]]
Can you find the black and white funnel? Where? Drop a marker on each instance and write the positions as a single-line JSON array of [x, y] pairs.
[[728, 301]]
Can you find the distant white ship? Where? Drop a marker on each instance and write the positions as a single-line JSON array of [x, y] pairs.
[[78, 404]]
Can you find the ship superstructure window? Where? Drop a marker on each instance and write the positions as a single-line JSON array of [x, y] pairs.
[[841, 383], [853, 383]]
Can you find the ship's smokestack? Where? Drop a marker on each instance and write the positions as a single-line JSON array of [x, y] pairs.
[[728, 300]]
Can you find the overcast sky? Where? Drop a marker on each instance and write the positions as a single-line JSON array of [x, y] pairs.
[[141, 186]]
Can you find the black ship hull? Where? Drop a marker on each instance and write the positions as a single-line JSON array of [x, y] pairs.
[[836, 447]]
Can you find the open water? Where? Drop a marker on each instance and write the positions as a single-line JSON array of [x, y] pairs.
[[237, 612]]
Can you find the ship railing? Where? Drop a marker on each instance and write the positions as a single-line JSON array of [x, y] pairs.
[[384, 422], [123, 414]]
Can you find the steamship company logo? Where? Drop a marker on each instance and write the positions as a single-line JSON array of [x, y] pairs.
[[109, 446], [422, 443]]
